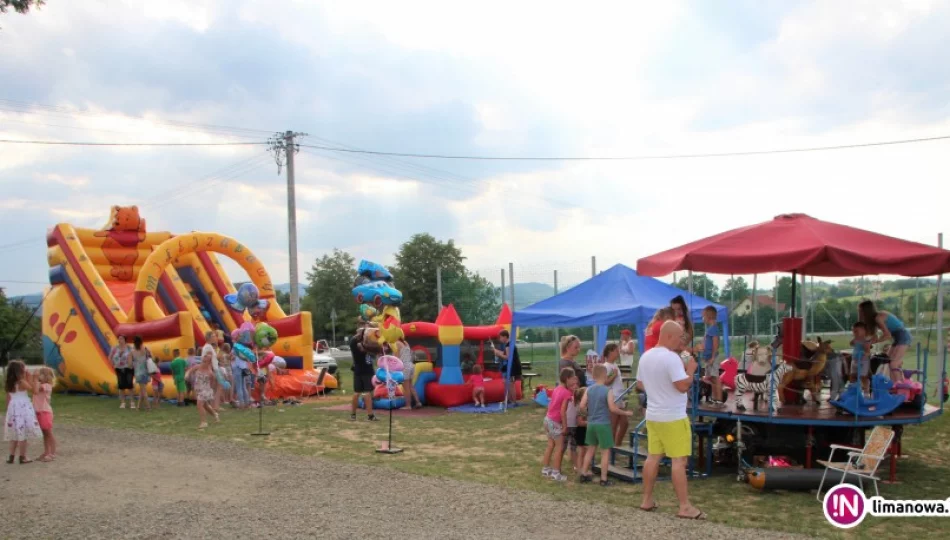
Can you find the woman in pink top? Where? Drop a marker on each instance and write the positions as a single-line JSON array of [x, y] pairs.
[[478, 386], [554, 425], [42, 389]]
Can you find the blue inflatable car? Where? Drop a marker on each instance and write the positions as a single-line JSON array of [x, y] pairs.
[[373, 271], [378, 293]]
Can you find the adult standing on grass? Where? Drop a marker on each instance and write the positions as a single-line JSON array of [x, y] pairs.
[[570, 348], [662, 376], [362, 373], [122, 363], [505, 337]]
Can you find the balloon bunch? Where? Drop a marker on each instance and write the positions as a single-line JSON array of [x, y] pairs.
[[247, 298], [247, 336], [388, 377], [379, 301]]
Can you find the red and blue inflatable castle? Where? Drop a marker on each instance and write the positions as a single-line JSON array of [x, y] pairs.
[[442, 382]]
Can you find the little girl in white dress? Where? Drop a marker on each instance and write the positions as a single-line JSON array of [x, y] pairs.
[[20, 424]]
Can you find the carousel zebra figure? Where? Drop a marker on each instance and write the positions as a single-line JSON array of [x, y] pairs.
[[759, 386]]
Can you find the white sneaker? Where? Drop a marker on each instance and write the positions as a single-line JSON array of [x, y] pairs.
[[558, 477], [132, 405], [121, 404], [546, 472]]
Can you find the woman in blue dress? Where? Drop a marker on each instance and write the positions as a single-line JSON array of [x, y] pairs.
[[891, 328]]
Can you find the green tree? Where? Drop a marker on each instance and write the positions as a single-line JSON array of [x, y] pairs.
[[329, 286], [735, 287], [415, 274], [701, 284], [283, 299], [20, 6], [475, 298], [13, 315], [784, 295]]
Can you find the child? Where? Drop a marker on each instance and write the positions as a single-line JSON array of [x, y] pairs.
[[618, 422], [140, 355], [478, 386], [576, 429], [179, 367], [652, 333], [224, 362], [554, 426], [21, 423], [709, 353], [158, 386], [203, 375], [860, 356], [599, 401], [42, 389]]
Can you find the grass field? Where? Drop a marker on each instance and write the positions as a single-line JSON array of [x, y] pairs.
[[505, 450]]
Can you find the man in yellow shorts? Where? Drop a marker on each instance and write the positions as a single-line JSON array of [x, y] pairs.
[[664, 379]]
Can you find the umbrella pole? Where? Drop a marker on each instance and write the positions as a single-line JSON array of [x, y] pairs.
[[794, 275]]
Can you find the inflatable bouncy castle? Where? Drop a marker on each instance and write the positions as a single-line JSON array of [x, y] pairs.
[[451, 349], [122, 280]]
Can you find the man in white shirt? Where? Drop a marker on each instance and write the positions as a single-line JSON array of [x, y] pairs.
[[666, 382]]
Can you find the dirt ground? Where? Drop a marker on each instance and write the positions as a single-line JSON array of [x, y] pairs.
[[111, 484]]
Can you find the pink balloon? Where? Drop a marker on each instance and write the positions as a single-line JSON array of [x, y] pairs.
[[391, 362]]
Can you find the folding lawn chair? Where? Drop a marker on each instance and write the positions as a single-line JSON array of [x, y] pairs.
[[863, 463], [315, 384]]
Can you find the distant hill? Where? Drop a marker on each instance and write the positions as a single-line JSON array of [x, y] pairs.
[[31, 300], [529, 293]]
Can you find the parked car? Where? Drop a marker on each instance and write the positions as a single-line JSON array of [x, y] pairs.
[[321, 360]]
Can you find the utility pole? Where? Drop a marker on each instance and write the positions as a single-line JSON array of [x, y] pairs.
[[284, 147], [333, 321]]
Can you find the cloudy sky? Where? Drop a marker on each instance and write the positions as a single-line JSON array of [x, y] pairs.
[[482, 78]]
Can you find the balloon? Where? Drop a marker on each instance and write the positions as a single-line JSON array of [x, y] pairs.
[[395, 376], [247, 297], [265, 335], [244, 334], [245, 353], [367, 312], [386, 361]]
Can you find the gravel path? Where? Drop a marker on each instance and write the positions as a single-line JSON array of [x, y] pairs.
[[109, 483]]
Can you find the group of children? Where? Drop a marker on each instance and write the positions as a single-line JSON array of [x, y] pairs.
[[581, 419], [28, 418]]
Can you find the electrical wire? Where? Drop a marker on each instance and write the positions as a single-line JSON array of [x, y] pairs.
[[87, 143], [631, 158], [217, 177]]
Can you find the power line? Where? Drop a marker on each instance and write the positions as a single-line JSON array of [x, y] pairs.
[[631, 158], [86, 143]]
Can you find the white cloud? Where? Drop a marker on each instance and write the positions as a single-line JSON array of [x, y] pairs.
[[553, 77]]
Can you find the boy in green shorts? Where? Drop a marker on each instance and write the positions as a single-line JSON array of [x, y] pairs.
[[179, 367], [599, 401]]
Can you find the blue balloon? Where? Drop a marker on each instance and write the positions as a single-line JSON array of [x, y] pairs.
[[396, 376], [244, 352]]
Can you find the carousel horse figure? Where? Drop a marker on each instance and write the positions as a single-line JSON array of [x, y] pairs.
[[808, 368], [764, 382]]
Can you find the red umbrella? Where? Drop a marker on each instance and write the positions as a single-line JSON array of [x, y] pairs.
[[802, 244]]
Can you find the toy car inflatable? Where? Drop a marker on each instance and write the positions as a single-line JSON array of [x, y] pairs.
[[378, 293]]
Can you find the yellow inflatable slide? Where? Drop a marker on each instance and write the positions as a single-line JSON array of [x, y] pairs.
[[166, 288]]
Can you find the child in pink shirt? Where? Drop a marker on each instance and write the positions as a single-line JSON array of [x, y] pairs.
[[554, 426], [42, 389], [478, 386]]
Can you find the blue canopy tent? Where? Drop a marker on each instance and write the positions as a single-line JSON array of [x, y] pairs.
[[615, 296]]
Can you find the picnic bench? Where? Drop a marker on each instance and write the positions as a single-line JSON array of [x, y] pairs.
[[526, 374]]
